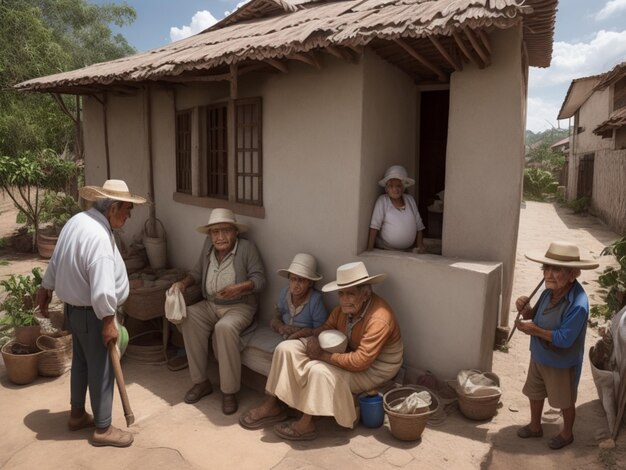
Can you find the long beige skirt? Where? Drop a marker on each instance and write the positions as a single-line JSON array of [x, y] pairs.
[[321, 389]]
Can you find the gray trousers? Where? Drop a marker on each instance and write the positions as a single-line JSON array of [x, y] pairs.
[[91, 365]]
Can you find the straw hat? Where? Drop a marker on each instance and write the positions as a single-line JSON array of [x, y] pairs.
[[111, 189], [222, 216], [563, 254], [303, 265], [352, 274], [397, 172], [333, 341]]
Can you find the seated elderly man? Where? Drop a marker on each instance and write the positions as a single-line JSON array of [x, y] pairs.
[[232, 274], [319, 383]]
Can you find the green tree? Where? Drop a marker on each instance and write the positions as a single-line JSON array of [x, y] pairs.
[[44, 37]]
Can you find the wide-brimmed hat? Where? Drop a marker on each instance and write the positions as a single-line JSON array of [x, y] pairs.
[[397, 172], [111, 189], [563, 254], [303, 265], [352, 274], [222, 216]]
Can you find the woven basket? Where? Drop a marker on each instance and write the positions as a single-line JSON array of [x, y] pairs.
[[478, 408], [146, 303], [56, 358], [407, 427], [147, 348]]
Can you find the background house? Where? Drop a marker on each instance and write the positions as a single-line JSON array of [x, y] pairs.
[[289, 114], [597, 161]]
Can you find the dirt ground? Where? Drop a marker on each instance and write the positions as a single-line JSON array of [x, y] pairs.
[[171, 434]]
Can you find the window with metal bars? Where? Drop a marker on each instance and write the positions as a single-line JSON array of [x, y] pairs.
[[248, 151], [183, 152]]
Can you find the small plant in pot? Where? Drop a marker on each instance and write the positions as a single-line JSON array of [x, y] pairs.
[[19, 307], [20, 355], [56, 210]]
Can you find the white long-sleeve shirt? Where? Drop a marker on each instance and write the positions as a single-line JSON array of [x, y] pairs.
[[86, 268]]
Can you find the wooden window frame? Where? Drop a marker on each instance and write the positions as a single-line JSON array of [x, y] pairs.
[[248, 153], [183, 153], [200, 195]]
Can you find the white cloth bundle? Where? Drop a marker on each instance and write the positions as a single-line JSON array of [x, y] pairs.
[[475, 383], [413, 402], [175, 308]]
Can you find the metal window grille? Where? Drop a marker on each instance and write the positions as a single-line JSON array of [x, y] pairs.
[[217, 151], [248, 151], [183, 152]]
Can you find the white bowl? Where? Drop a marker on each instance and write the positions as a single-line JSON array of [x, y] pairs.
[[333, 341]]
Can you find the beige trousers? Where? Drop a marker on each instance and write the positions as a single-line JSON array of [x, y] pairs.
[[321, 389], [228, 321]]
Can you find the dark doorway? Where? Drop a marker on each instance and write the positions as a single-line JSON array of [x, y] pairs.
[[432, 155], [585, 176]]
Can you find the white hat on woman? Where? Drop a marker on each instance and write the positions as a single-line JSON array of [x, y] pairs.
[[111, 189], [222, 216], [352, 274], [563, 254], [397, 172], [302, 265]]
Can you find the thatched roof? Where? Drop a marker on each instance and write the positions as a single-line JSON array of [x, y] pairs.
[[428, 39], [615, 121]]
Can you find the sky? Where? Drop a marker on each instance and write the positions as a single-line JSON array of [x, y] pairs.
[[590, 38]]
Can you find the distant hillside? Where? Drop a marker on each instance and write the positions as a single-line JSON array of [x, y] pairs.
[[548, 137]]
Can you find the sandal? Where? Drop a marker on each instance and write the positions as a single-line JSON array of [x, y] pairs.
[[288, 432], [246, 421], [198, 391], [525, 432], [557, 442]]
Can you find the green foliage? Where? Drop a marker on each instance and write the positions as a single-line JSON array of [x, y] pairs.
[[580, 205], [549, 136], [546, 157], [44, 37], [613, 281], [19, 303], [538, 183], [58, 208], [25, 178]]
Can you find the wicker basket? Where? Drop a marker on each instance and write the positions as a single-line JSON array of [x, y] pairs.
[[146, 303], [478, 408], [56, 358], [403, 426], [147, 348]]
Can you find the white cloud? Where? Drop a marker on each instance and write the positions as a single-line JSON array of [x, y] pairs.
[[541, 114], [574, 60], [239, 5], [611, 7], [199, 22]]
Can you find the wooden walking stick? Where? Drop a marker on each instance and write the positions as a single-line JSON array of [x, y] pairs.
[[119, 379], [522, 309]]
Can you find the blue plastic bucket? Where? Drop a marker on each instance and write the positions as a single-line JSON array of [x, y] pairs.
[[372, 412]]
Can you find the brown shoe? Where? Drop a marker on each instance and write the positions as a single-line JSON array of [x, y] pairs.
[[85, 421], [112, 437], [198, 391], [229, 403]]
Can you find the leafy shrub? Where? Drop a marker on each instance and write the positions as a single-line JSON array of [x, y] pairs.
[[613, 281], [538, 183], [580, 205], [19, 303]]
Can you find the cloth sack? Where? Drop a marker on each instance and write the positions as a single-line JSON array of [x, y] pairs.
[[175, 308], [413, 403], [475, 383]]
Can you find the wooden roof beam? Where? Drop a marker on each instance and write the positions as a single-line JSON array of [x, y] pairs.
[[466, 52], [306, 57], [421, 59], [446, 55], [340, 53], [277, 65], [483, 54], [484, 38]]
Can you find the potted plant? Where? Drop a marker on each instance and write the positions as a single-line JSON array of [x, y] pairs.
[[21, 355], [56, 209], [19, 306]]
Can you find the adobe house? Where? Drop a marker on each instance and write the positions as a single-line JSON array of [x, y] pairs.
[[597, 161], [289, 113]]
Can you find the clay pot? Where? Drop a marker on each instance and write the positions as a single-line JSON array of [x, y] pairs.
[[46, 244], [27, 334]]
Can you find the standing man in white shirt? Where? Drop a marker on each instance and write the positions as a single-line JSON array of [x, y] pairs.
[[88, 274]]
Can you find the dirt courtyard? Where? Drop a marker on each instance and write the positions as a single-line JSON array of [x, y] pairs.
[[170, 434]]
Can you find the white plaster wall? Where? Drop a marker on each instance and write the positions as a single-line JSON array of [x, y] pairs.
[[590, 115], [388, 132], [485, 159]]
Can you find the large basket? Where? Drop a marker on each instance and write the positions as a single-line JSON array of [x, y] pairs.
[[56, 358], [408, 427], [478, 408], [21, 367], [146, 303]]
